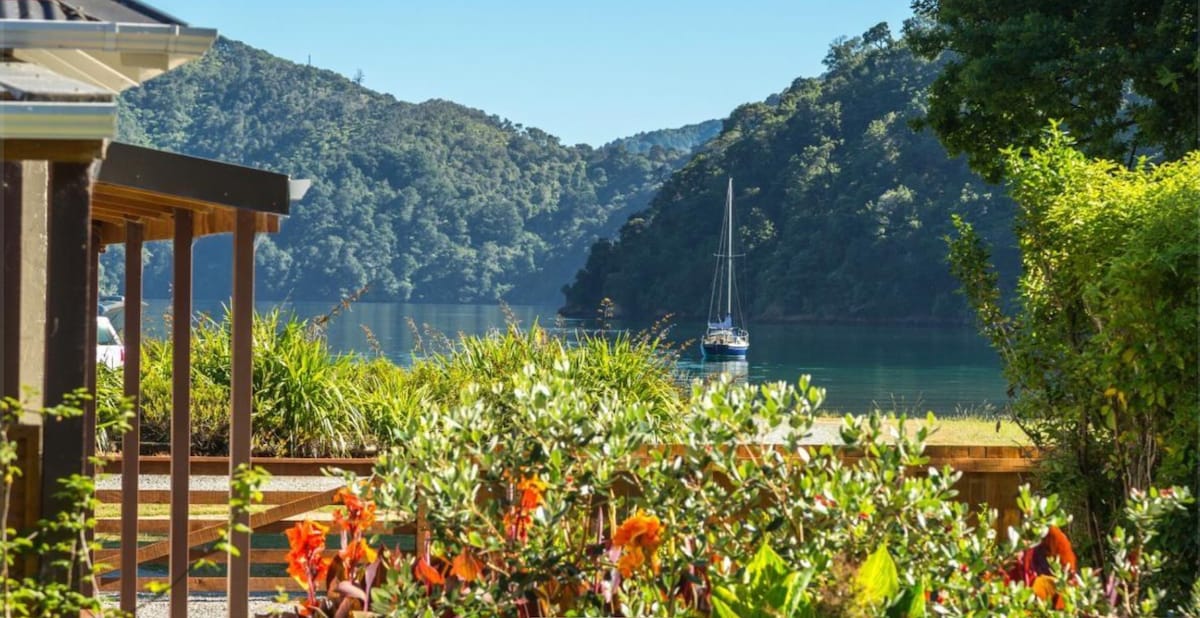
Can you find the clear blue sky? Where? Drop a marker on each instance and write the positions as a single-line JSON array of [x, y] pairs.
[[584, 71]]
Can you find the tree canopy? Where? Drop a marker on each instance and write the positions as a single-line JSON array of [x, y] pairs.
[[1120, 75]]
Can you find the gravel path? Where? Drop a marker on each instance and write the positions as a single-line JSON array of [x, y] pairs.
[[201, 606], [217, 483]]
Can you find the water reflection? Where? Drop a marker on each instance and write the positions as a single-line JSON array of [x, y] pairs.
[[739, 369]]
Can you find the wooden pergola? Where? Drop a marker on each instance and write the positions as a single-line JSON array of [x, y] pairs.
[[132, 195], [69, 190]]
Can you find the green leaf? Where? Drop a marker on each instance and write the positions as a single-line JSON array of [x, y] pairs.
[[877, 579], [911, 604]]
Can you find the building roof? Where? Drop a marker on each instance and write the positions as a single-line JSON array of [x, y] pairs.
[[121, 11]]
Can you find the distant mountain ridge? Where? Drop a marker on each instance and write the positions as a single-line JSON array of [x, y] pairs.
[[428, 202], [686, 138], [840, 207]]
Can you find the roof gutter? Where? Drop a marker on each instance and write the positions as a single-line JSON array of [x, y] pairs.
[[106, 36]]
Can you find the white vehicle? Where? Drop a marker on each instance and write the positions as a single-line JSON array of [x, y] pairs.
[[109, 350]]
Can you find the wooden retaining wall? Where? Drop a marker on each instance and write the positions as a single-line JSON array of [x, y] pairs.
[[990, 474]]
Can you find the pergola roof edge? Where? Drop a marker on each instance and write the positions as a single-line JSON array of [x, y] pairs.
[[195, 179]]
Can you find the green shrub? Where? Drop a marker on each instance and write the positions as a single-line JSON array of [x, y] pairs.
[[1102, 353], [544, 499], [309, 401]]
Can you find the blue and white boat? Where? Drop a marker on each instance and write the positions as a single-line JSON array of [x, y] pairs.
[[726, 338]]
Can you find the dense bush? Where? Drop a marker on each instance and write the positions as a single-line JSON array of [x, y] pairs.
[[1102, 353], [541, 499], [310, 401]]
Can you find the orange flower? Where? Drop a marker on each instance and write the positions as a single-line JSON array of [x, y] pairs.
[[639, 536], [519, 516], [466, 566], [358, 551], [426, 574], [360, 514], [305, 564], [531, 493], [639, 529]]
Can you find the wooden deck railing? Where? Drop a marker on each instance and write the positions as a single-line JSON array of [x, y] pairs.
[[990, 474]]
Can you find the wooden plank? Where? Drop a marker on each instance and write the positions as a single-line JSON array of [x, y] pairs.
[[160, 526], [201, 532], [132, 382], [241, 378], [128, 211], [128, 197], [181, 423]]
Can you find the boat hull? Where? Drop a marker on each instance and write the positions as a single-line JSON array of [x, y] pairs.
[[718, 351]]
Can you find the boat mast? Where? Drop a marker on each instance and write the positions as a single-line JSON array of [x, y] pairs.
[[729, 252]]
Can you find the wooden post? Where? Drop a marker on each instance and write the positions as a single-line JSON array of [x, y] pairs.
[[68, 317], [89, 353], [131, 443], [181, 426], [242, 373], [10, 362]]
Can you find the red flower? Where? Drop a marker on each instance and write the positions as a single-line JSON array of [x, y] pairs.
[[1033, 567]]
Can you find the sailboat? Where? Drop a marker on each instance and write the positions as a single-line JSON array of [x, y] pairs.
[[725, 337]]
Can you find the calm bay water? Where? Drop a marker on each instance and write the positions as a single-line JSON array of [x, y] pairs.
[[948, 370]]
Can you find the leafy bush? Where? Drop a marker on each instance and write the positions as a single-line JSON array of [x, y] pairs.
[[542, 499], [309, 401], [1102, 354]]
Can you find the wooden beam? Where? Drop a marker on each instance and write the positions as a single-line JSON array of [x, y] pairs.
[[130, 210], [89, 385], [53, 150], [181, 427], [10, 290], [131, 442], [195, 179], [240, 384], [67, 317], [120, 195], [89, 352]]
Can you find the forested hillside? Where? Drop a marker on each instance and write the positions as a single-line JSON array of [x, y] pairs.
[[686, 138], [424, 202], [841, 208]]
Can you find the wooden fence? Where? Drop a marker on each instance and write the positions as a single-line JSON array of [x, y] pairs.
[[990, 474]]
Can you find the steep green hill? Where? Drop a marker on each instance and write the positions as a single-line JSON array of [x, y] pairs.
[[424, 202], [840, 206]]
